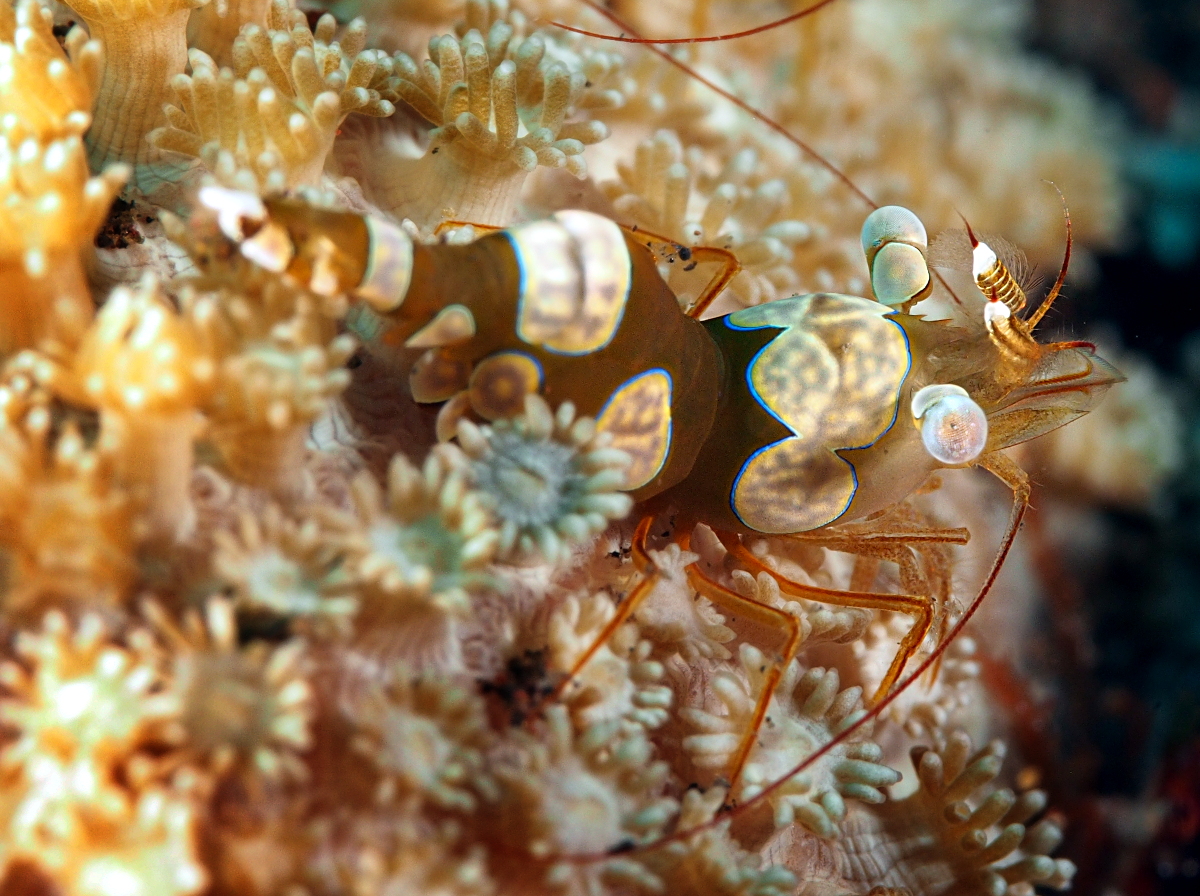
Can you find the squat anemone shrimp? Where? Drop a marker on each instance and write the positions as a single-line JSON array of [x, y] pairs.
[[790, 418]]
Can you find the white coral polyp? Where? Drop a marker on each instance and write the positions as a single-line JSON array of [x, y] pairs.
[[741, 209], [280, 567], [956, 832], [152, 852], [241, 707], [620, 681], [675, 618], [563, 794], [550, 478], [806, 712], [427, 539], [711, 862], [277, 111], [85, 699], [426, 737], [818, 621]]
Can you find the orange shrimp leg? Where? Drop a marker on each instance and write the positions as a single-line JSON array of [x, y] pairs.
[[901, 542], [644, 565], [763, 615], [696, 255], [729, 269], [920, 607]]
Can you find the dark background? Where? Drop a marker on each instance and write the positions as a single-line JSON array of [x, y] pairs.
[[1122, 731]]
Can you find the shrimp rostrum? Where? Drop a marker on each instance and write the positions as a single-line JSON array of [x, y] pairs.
[[789, 418]]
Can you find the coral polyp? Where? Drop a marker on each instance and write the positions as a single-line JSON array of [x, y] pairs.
[[550, 479], [357, 456]]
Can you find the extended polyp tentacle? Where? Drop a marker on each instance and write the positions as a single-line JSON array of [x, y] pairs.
[[919, 606]]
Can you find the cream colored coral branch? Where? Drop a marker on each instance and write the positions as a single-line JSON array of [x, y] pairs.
[[973, 836], [277, 110], [51, 210], [44, 92], [266, 395], [145, 45], [143, 367], [66, 526], [502, 106], [666, 190], [214, 27]]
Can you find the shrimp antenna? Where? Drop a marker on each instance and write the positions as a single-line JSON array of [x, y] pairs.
[[740, 103], [1062, 272], [759, 116], [778, 23], [970, 233]]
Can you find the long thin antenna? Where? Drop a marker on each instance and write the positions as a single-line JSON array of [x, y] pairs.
[[740, 103], [1062, 272], [778, 23]]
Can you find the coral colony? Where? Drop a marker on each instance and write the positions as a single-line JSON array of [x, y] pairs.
[[271, 627]]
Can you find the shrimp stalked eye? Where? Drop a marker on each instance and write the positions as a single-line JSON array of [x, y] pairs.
[[894, 241], [954, 429]]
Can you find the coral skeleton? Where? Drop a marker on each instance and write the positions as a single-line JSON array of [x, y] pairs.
[[274, 624], [52, 204]]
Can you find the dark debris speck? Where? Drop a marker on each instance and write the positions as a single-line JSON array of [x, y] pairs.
[[120, 229]]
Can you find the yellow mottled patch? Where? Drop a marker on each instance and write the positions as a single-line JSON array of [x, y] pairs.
[[833, 378], [576, 275], [638, 415], [389, 267], [452, 324], [437, 378], [500, 383]]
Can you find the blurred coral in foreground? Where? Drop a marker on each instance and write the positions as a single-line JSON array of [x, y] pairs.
[[262, 635]]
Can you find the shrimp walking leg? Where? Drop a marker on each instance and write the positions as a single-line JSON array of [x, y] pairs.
[[920, 607], [761, 614]]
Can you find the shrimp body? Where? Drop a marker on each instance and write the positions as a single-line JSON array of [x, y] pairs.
[[781, 419], [807, 379], [776, 419]]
